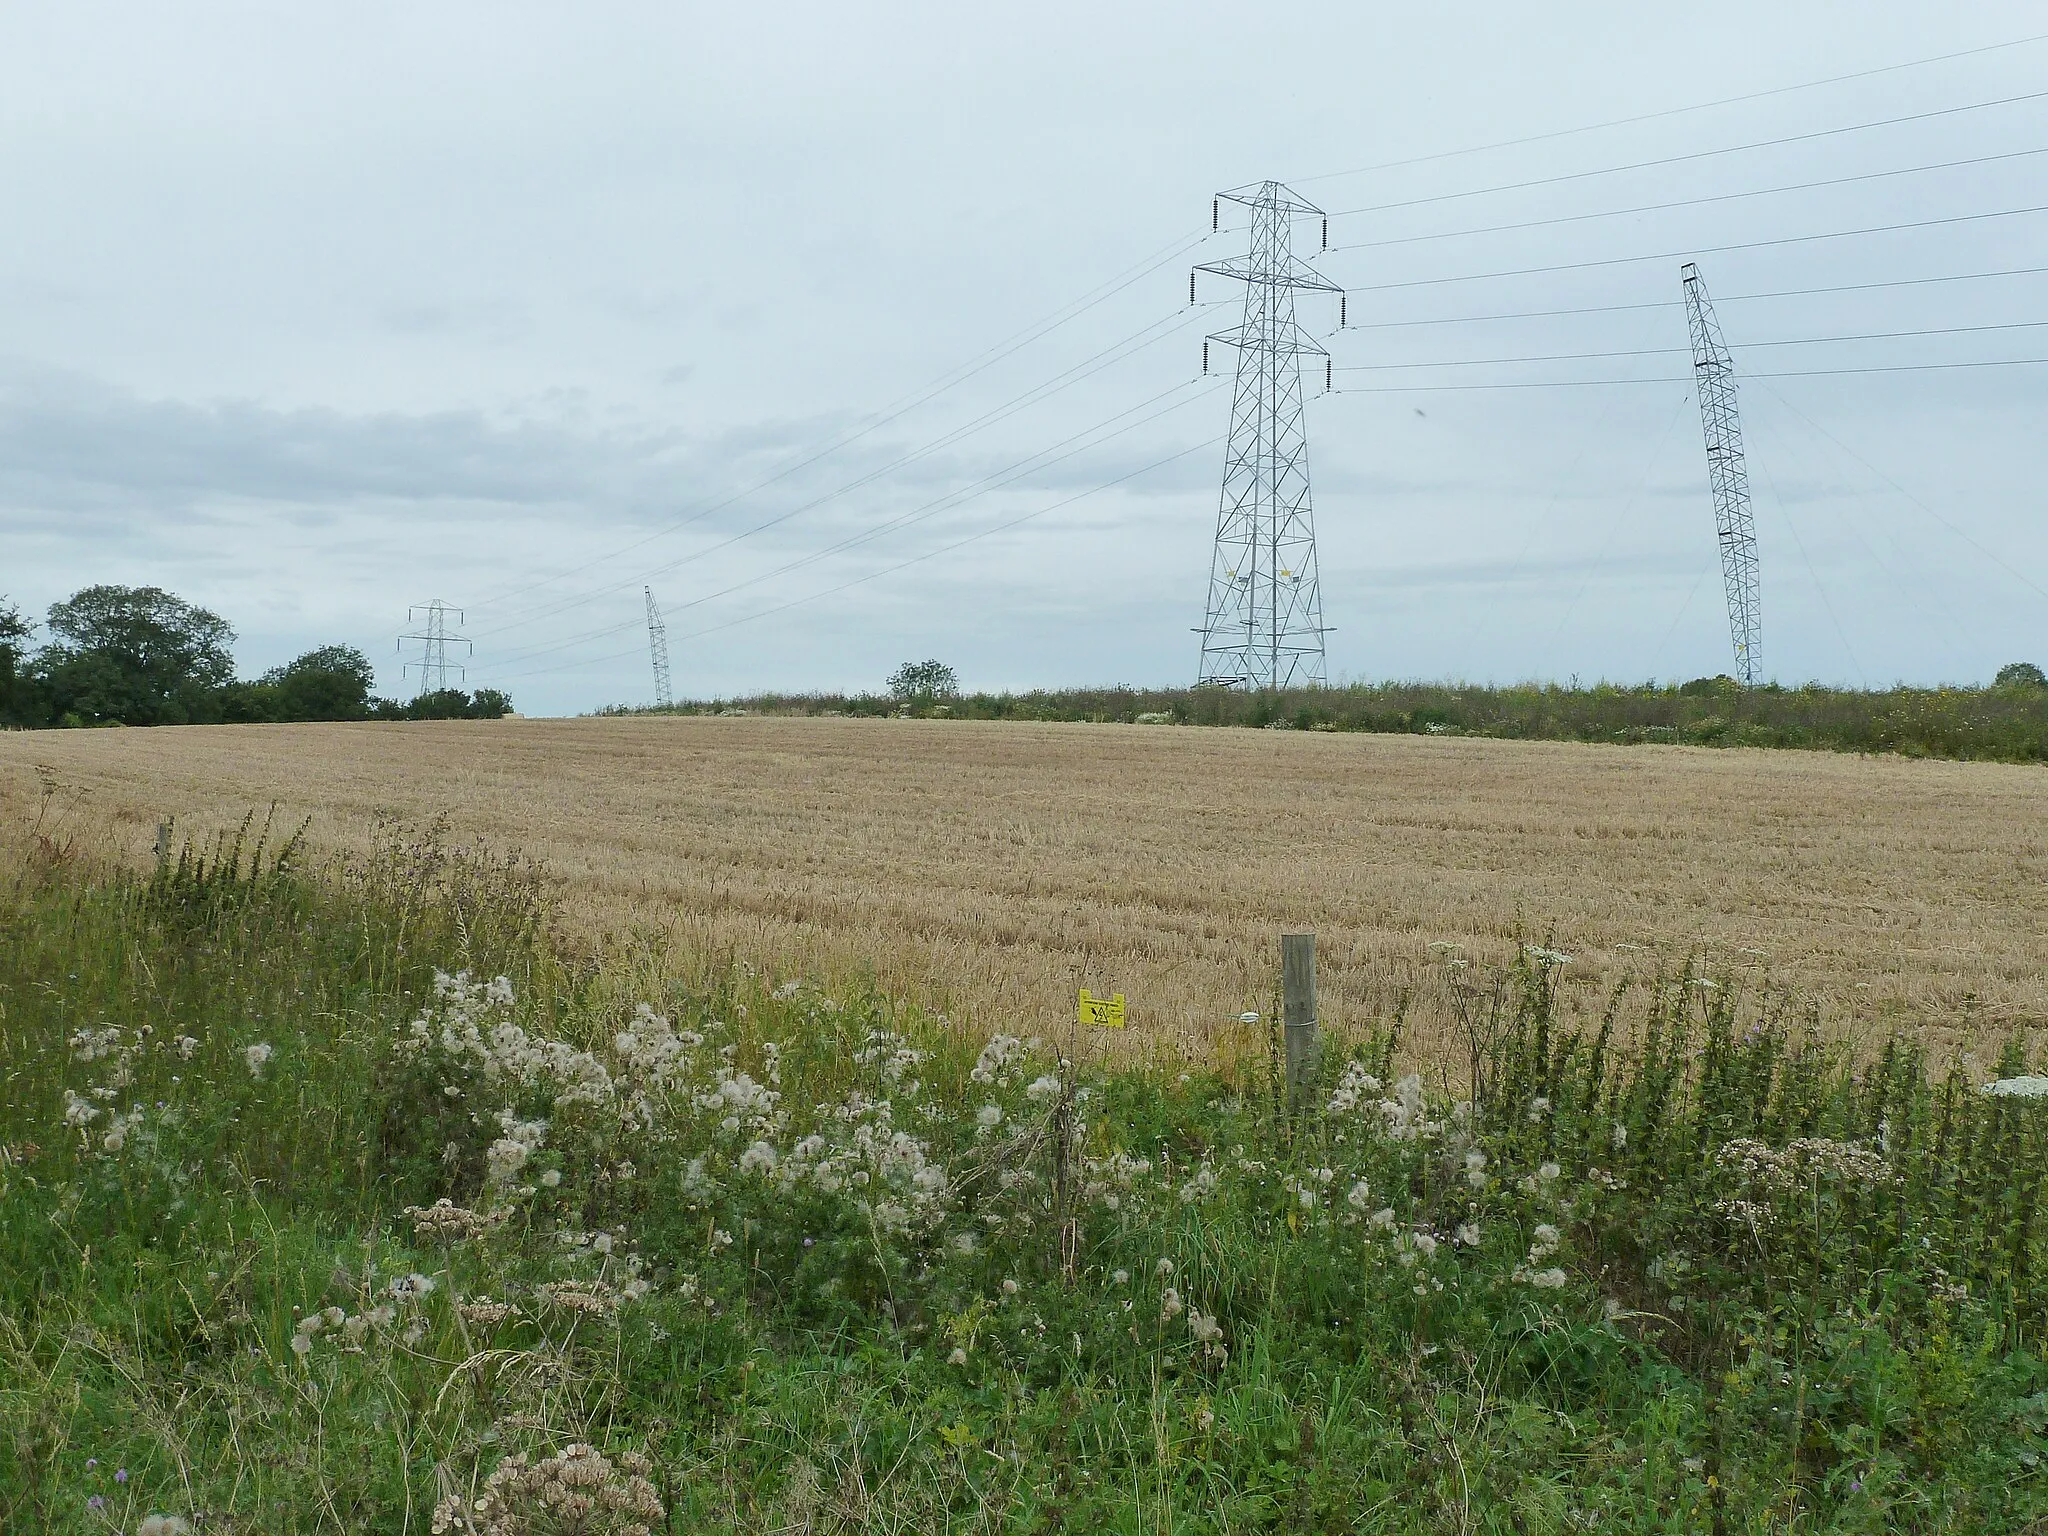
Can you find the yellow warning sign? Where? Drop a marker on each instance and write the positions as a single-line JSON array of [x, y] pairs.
[[1102, 1012]]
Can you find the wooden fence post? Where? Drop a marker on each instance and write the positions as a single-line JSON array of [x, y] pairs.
[[1298, 1015]]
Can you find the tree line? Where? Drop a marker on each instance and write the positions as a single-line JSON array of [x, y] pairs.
[[111, 655]]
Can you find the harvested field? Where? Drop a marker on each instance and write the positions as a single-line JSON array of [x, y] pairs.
[[992, 868]]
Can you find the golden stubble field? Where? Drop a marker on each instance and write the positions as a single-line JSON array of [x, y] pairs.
[[990, 869]]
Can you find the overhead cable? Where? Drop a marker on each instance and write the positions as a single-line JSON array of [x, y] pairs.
[[1650, 117]]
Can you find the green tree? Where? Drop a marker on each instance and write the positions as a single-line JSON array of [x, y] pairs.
[[330, 683], [923, 680], [14, 635], [2020, 674], [135, 656]]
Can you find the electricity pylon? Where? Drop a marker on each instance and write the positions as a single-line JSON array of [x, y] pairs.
[[1264, 624], [1714, 374], [657, 646], [434, 665]]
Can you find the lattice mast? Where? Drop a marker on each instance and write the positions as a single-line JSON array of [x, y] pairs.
[[433, 664], [1264, 623], [657, 647], [1728, 476]]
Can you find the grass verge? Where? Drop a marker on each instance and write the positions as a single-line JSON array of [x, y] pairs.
[[342, 1201]]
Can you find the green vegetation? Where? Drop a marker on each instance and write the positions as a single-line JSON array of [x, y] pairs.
[[2007, 722], [141, 656], [923, 682], [349, 1202]]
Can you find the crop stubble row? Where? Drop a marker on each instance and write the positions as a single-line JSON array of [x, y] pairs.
[[991, 868]]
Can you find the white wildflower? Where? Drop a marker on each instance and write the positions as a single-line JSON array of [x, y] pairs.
[[551, 1179], [1043, 1088], [1357, 1087], [1163, 1269], [2018, 1088], [958, 1357], [1468, 1235], [1383, 1218], [1360, 1196], [1120, 1277], [256, 1055], [504, 1159], [92, 1044], [186, 1045], [1009, 1287], [1170, 1304], [989, 1116], [759, 1158], [1548, 1172], [1547, 1279]]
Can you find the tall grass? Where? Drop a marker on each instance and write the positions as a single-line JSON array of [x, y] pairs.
[[345, 1201]]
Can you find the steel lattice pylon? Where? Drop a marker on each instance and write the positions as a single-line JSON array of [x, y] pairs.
[[1714, 372], [657, 647], [434, 641], [1264, 625]]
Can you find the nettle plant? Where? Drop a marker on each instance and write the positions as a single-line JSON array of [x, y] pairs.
[[1741, 1178]]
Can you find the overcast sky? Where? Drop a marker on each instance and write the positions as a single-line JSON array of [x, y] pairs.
[[313, 313]]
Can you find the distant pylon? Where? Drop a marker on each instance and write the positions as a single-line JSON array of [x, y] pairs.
[[1264, 624], [1728, 476], [434, 665], [657, 645]]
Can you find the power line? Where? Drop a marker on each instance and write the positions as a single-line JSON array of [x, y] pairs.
[[1803, 373], [903, 406], [1116, 352], [1793, 341], [1693, 202], [944, 503], [1649, 117], [1705, 250], [944, 549], [1734, 298], [2011, 571], [1006, 476], [1697, 154]]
